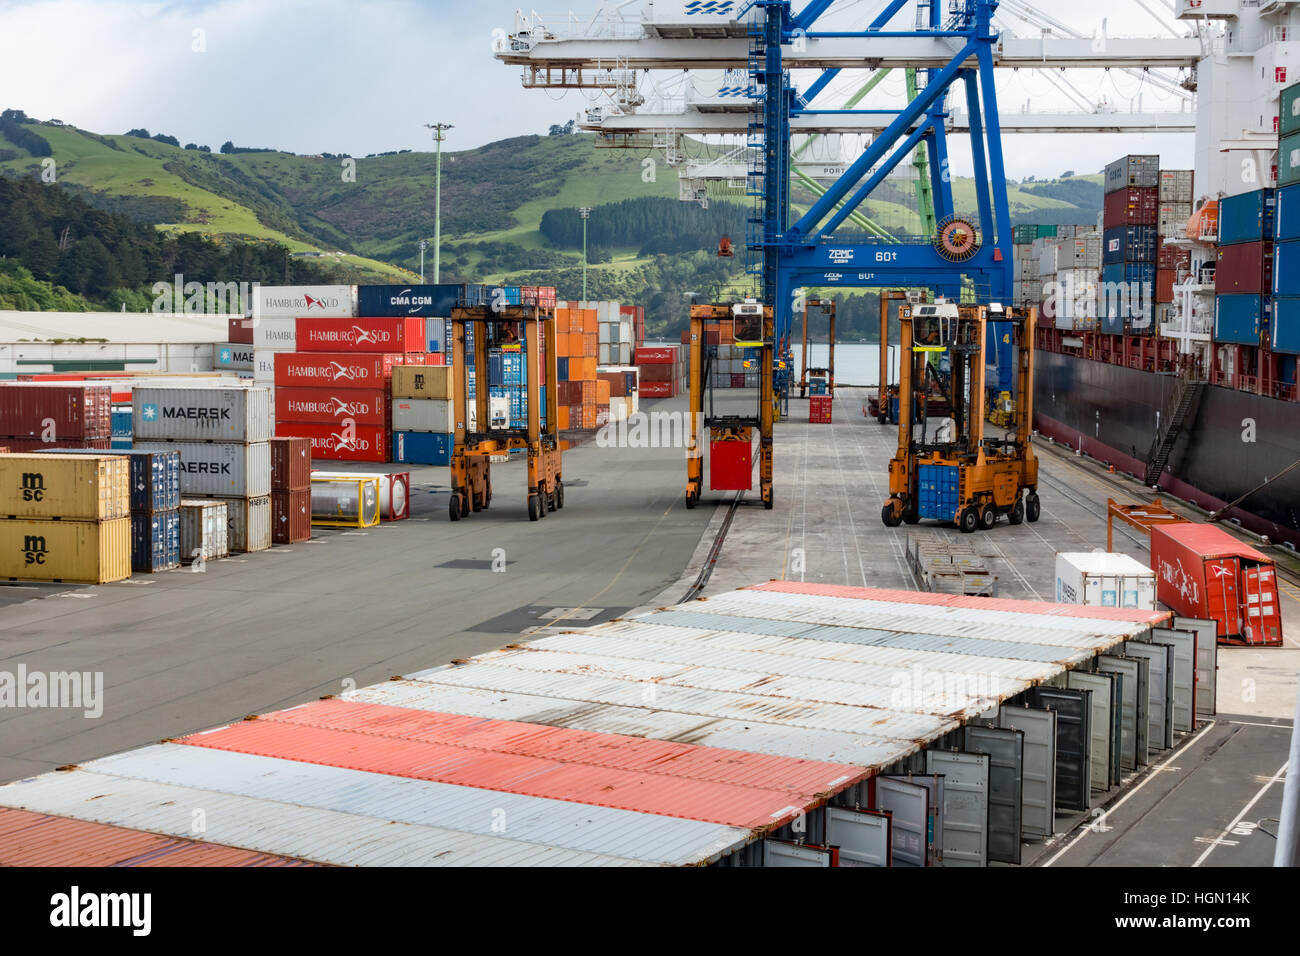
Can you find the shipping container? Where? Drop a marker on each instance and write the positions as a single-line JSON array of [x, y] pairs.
[[1176, 186], [425, 301], [1204, 572], [291, 516], [1241, 319], [335, 369], [324, 301], [657, 355], [1289, 114], [422, 415], [1285, 326], [290, 463], [394, 491], [56, 412], [240, 331], [1129, 244], [64, 486], [277, 335], [80, 552], [202, 414], [1165, 285], [1286, 269], [435, 335], [1104, 579], [1245, 267], [155, 477], [1171, 257], [156, 541], [422, 448], [204, 530], [345, 502], [248, 524], [340, 442], [1287, 214], [361, 335], [364, 406], [21, 445], [1131, 207], [1288, 160], [1141, 171], [1247, 217], [220, 469], [233, 356], [423, 382], [1172, 219]]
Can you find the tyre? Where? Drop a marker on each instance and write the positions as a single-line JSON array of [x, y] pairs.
[[453, 507], [488, 497], [1017, 513], [889, 517], [1033, 508], [476, 502], [532, 508], [559, 494], [771, 500], [690, 500], [911, 517], [883, 419], [968, 521], [988, 517], [541, 502]]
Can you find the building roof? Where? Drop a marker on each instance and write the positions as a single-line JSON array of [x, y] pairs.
[[118, 328]]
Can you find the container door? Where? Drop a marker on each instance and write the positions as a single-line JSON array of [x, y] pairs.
[[1006, 751], [1038, 789], [1184, 676], [780, 853], [1073, 743], [1102, 695], [908, 805], [1221, 595], [933, 785], [862, 836], [965, 806], [1207, 664], [1262, 625], [1127, 669], [1159, 691]]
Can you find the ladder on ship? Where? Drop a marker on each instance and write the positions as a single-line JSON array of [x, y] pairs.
[[1180, 410]]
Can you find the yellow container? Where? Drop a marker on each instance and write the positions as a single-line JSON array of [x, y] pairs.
[[84, 552], [422, 381], [77, 487]]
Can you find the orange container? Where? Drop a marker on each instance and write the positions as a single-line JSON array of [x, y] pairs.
[[561, 343], [588, 416], [562, 418], [575, 320], [589, 321], [589, 393], [591, 347], [602, 393]]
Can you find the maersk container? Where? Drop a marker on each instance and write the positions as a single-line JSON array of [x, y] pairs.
[[1286, 268], [1141, 171], [1129, 244], [248, 524], [63, 486], [155, 477], [1104, 579], [220, 469], [81, 552], [204, 530], [1288, 160], [1240, 319], [422, 448], [1247, 217], [422, 415], [425, 301], [297, 301], [156, 541], [203, 414], [236, 358], [1286, 326]]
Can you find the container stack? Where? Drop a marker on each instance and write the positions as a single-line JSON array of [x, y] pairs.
[[615, 335], [1243, 278], [1130, 221], [1026, 292], [290, 490], [727, 361], [423, 425], [577, 357], [222, 434], [624, 390], [65, 518], [1173, 264], [662, 370], [273, 327], [1285, 334], [36, 417]]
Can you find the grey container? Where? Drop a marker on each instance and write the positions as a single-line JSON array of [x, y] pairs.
[[1176, 186], [1140, 171], [220, 469], [248, 523], [220, 413], [422, 415], [204, 533]]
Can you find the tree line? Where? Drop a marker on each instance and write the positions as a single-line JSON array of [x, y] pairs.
[[652, 224]]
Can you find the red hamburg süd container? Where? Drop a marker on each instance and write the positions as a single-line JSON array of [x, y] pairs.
[[341, 442], [335, 369], [1204, 572], [291, 516], [1245, 267], [731, 465], [655, 355], [368, 406], [433, 358], [291, 464], [657, 389], [55, 413], [1133, 206], [360, 335], [658, 373], [819, 409], [240, 332]]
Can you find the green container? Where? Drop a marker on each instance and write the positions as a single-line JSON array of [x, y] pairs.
[[1288, 160], [1024, 235], [1289, 121], [1046, 231]]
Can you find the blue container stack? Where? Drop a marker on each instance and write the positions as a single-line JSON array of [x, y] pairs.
[[938, 492], [1285, 336], [1244, 318]]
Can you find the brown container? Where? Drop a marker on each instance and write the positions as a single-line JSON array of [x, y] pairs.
[[657, 373], [290, 464], [1165, 285], [1245, 267], [17, 445], [617, 383], [291, 516], [1132, 207], [569, 393], [56, 412], [240, 331], [1171, 257]]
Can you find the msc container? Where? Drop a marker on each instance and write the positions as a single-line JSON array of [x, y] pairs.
[[155, 477], [1286, 326], [1245, 267], [63, 486], [1176, 186], [1247, 217], [291, 516], [1286, 269], [1240, 319], [1142, 171], [1104, 579], [422, 448], [335, 369], [236, 357], [248, 524], [1129, 244], [422, 415], [156, 541], [1288, 160], [290, 463], [340, 442], [1131, 207], [345, 502], [394, 491], [296, 301], [56, 412], [83, 552], [427, 301], [364, 406], [429, 382], [220, 469], [361, 335], [203, 414], [204, 534]]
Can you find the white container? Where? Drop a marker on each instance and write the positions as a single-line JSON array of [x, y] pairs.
[[305, 301], [264, 365], [248, 523], [232, 356], [204, 533], [219, 469], [422, 415], [225, 414], [1104, 579], [279, 334]]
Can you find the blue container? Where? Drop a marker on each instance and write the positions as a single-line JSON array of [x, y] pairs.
[[1286, 329], [1247, 217], [406, 300], [422, 448], [1128, 244], [513, 368], [122, 425], [1287, 213], [938, 489], [435, 333], [998, 361], [156, 541], [507, 294], [496, 369], [472, 295], [1240, 319], [1286, 268], [893, 409], [121, 444], [562, 369], [155, 477]]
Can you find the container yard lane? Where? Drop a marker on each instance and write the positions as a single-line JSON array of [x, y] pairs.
[[181, 651]]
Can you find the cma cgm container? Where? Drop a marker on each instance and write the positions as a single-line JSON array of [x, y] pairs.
[[297, 301], [335, 369], [1204, 572], [82, 552], [426, 301], [248, 524], [361, 335], [64, 486], [337, 442], [203, 414], [1247, 217], [155, 477], [365, 406], [1104, 579], [55, 413], [220, 469]]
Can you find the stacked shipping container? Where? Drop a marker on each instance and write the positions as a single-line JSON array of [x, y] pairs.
[[290, 490], [1243, 279], [37, 417], [662, 370], [1284, 336], [423, 425], [1130, 223]]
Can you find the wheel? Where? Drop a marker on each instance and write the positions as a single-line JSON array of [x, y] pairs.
[[541, 502], [889, 516], [487, 498], [1033, 508], [883, 419], [551, 504], [476, 502], [767, 504], [968, 520], [911, 517], [988, 517], [532, 508], [690, 499], [559, 494], [1017, 513], [453, 507]]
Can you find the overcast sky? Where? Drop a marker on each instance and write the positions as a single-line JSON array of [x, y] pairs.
[[364, 76]]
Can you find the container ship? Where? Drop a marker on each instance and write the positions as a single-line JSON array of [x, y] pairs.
[[1170, 328]]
